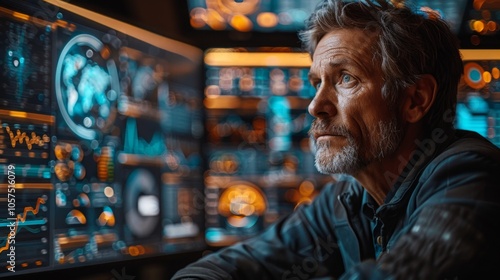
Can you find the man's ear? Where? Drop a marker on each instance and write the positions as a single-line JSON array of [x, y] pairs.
[[419, 98]]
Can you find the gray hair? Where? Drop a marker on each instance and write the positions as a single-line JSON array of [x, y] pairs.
[[409, 44]]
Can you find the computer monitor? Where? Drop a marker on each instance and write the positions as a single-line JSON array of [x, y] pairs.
[[101, 126]]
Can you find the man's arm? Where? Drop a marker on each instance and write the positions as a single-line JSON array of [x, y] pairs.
[[300, 246]]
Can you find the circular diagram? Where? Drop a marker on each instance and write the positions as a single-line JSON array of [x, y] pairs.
[[242, 204], [473, 75], [87, 86], [141, 184]]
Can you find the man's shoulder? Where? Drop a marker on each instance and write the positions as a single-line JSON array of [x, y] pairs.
[[471, 142], [464, 151]]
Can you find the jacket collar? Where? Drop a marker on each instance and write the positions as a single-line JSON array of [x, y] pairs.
[[406, 181]]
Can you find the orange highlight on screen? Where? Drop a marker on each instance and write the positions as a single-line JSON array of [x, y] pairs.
[[21, 137], [22, 218]]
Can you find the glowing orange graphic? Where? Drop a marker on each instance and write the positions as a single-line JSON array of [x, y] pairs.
[[24, 137], [22, 218], [473, 75], [242, 200], [76, 217], [106, 217]]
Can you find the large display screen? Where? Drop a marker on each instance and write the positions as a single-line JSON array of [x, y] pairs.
[[260, 166], [100, 140], [253, 15], [289, 15]]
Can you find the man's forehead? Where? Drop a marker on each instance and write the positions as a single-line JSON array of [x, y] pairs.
[[342, 46], [355, 40]]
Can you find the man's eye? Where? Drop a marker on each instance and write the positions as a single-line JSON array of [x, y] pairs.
[[346, 78]]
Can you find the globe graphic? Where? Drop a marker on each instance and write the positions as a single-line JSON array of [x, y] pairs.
[[87, 86]]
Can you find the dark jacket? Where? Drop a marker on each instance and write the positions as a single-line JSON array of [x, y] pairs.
[[441, 220]]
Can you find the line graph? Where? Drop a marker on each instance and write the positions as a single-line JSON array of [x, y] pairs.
[[27, 144], [29, 139], [27, 225], [134, 144], [21, 218]]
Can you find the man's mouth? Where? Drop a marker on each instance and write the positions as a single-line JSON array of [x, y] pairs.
[[318, 135]]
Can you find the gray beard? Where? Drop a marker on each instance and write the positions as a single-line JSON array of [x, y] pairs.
[[346, 161], [349, 160]]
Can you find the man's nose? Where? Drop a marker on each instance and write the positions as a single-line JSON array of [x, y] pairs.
[[323, 103]]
